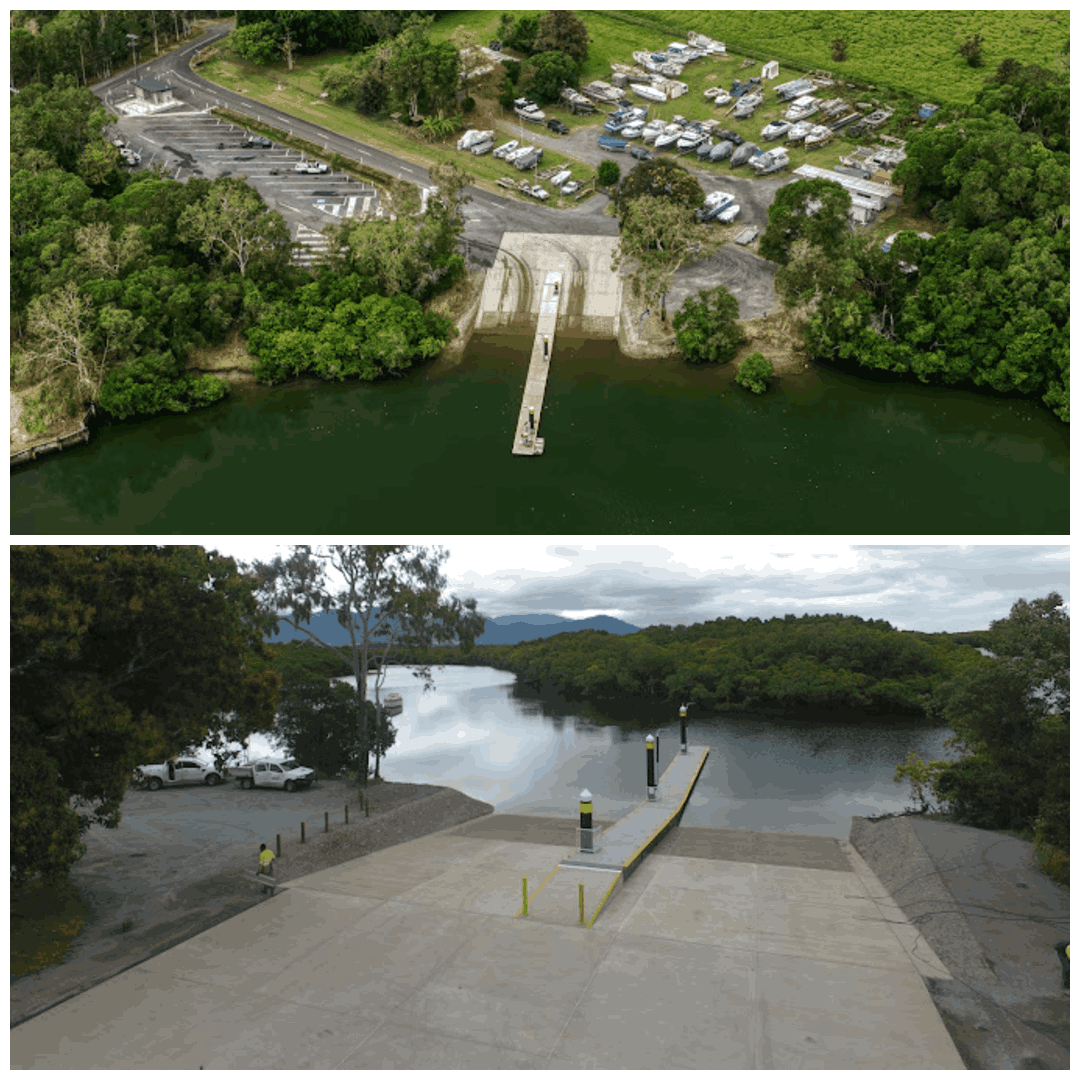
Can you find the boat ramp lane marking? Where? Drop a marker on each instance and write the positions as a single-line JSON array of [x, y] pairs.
[[527, 442]]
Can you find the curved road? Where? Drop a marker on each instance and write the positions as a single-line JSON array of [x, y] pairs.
[[488, 215]]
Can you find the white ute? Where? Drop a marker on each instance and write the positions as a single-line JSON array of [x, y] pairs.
[[289, 775], [310, 167], [182, 771]]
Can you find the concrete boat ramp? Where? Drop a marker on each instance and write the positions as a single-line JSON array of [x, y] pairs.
[[721, 949], [565, 283]]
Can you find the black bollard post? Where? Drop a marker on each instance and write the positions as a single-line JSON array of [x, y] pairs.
[[586, 844], [279, 845], [301, 832], [682, 726], [650, 765], [326, 821], [346, 813]]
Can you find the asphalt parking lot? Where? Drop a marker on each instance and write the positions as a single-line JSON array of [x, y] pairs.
[[190, 144]]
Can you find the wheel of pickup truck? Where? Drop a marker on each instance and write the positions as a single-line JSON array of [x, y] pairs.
[[290, 785], [212, 779], [247, 783], [154, 783]]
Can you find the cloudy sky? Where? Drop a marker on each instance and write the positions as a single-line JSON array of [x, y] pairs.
[[915, 586]]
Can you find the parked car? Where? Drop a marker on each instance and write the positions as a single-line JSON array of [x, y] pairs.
[[310, 167], [289, 775], [258, 141], [558, 127], [539, 192], [174, 773], [572, 188]]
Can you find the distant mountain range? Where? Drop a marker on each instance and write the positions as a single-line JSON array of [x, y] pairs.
[[503, 630]]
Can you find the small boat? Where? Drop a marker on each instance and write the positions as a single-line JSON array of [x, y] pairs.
[[715, 202], [527, 110], [705, 44], [632, 130], [769, 161], [728, 214], [743, 154], [609, 142], [721, 150], [801, 108], [833, 107], [797, 132], [392, 705], [641, 153], [819, 135], [795, 88], [669, 137], [520, 152], [560, 178], [704, 148], [775, 129], [689, 139], [712, 91], [651, 130], [649, 93], [723, 98], [473, 135], [747, 104], [481, 147], [505, 149]]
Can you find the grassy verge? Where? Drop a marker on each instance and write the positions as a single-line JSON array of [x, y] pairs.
[[44, 924], [297, 93]]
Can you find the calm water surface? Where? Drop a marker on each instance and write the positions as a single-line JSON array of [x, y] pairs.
[[632, 447], [473, 733]]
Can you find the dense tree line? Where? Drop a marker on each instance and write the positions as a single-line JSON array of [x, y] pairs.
[[117, 277], [87, 45], [405, 71], [986, 301], [1011, 718], [835, 662]]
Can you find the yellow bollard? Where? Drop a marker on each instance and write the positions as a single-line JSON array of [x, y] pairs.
[[524, 897], [581, 901]]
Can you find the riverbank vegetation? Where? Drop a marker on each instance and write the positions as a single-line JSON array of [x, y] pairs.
[[1011, 717], [985, 301], [119, 279]]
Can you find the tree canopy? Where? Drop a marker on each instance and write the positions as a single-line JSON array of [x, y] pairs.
[[120, 656], [657, 236], [707, 327], [562, 31], [1011, 718], [841, 663], [662, 178], [390, 598], [545, 74]]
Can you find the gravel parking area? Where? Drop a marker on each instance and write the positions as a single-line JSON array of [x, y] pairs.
[[182, 861]]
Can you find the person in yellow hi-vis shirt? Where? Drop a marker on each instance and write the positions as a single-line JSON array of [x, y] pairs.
[[266, 861]]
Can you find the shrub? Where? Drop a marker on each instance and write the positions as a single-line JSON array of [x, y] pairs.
[[468, 105], [608, 173], [755, 373], [707, 327]]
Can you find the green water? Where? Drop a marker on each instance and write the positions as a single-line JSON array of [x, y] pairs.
[[632, 447]]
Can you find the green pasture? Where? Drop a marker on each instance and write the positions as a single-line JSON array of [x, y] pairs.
[[908, 52]]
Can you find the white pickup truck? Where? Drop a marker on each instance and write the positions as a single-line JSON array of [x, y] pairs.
[[310, 167], [289, 775], [174, 773]]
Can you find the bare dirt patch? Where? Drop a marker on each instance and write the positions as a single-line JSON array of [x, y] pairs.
[[183, 861]]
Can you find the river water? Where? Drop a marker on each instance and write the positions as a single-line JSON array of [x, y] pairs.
[[522, 754], [632, 447]]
